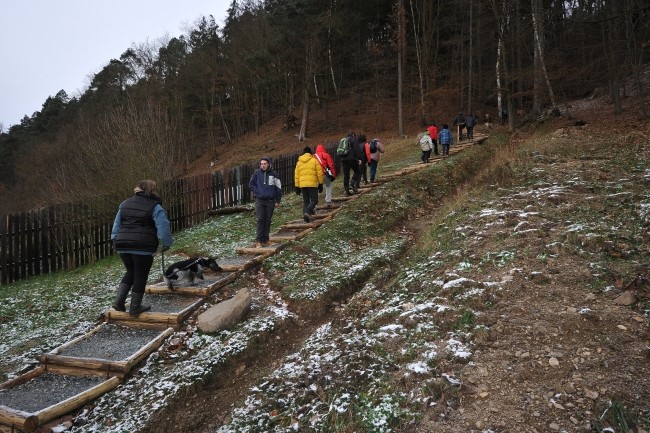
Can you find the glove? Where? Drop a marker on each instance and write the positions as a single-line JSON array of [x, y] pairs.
[[164, 248], [298, 190], [320, 188]]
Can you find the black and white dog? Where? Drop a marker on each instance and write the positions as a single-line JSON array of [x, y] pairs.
[[184, 273]]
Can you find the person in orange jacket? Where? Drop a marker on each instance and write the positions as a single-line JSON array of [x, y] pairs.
[[329, 172]]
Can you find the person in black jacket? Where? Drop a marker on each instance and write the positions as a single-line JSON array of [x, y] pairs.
[[139, 223], [352, 161]]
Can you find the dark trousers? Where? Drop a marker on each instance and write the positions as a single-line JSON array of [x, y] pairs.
[[373, 169], [435, 146], [363, 173], [445, 149], [470, 132], [309, 200], [426, 154], [264, 208], [347, 166], [137, 270]]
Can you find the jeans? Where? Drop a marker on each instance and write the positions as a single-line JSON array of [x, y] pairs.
[[373, 169], [137, 270], [264, 208], [309, 200], [426, 154], [445, 149]]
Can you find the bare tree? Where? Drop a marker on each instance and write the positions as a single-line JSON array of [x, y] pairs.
[[540, 52]]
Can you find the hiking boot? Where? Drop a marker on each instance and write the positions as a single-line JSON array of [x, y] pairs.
[[136, 306], [309, 218], [122, 293], [258, 244], [266, 244]]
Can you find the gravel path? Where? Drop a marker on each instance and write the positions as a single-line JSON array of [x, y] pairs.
[[112, 342], [163, 303], [46, 390]]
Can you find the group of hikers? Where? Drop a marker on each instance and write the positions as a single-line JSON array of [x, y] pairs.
[[315, 171], [141, 222]]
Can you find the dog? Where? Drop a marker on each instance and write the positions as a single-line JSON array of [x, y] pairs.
[[186, 271]]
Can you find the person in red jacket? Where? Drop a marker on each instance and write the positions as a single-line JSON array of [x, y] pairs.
[[329, 172], [433, 133]]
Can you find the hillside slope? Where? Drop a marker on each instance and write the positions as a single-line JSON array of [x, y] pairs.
[[499, 316]]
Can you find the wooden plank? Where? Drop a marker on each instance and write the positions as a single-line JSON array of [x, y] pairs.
[[23, 378], [11, 418], [76, 401], [162, 288]]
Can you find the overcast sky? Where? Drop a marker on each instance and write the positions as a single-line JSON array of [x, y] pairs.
[[52, 45]]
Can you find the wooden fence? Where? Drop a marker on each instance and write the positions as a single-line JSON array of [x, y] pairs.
[[71, 235]]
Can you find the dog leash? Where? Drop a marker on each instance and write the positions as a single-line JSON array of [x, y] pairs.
[[162, 262]]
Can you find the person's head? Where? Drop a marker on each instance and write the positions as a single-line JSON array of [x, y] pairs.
[[307, 149], [426, 132], [265, 163], [147, 186], [362, 138], [445, 126]]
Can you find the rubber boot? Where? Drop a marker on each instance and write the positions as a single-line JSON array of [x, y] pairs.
[[122, 293], [136, 306]]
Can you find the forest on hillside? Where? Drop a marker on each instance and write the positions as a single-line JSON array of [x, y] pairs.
[[160, 105]]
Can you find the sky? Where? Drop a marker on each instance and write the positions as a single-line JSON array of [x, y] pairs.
[[47, 46]]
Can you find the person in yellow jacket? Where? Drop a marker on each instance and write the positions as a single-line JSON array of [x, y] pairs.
[[308, 179]]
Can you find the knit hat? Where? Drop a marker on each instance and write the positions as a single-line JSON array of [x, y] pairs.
[[307, 149]]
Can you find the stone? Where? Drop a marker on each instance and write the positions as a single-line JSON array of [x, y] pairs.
[[626, 298], [553, 362], [225, 314]]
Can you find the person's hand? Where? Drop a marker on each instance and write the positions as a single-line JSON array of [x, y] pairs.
[[298, 190], [320, 188], [277, 204], [164, 248]]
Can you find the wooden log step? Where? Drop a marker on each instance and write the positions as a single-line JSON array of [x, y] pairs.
[[46, 396], [168, 310], [212, 283], [109, 348], [289, 235]]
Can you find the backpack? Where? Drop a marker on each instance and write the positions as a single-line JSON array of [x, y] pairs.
[[345, 146], [373, 146]]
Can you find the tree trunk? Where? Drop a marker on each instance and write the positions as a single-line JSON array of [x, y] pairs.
[[418, 54], [538, 47], [400, 55], [469, 59]]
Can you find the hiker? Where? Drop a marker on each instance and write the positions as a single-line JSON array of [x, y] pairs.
[[350, 156], [139, 224], [329, 171], [308, 180], [504, 116], [426, 145], [375, 149], [459, 121], [267, 189], [446, 139], [433, 133], [488, 121], [364, 146], [470, 121]]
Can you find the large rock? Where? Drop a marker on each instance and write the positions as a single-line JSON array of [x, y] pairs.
[[225, 314]]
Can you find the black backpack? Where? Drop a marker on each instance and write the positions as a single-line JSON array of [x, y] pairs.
[[373, 146]]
